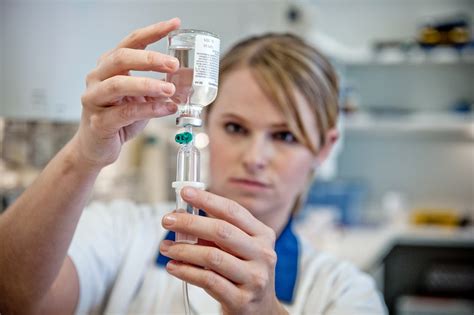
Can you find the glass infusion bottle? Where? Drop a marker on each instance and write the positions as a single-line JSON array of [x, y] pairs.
[[196, 80], [196, 83]]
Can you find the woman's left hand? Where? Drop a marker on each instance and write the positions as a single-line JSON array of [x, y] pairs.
[[236, 265]]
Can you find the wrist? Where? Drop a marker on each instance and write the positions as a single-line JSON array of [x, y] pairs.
[[79, 161]]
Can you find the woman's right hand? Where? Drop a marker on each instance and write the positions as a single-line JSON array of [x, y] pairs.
[[116, 105]]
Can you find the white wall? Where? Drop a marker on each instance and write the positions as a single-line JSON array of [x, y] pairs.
[[52, 45], [429, 169]]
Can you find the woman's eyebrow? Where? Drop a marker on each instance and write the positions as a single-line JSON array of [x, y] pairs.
[[277, 125], [233, 116], [282, 125]]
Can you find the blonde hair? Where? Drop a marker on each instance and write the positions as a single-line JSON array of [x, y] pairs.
[[283, 65], [286, 68]]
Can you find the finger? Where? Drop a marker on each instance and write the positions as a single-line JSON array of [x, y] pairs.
[[109, 91], [142, 37], [217, 286], [116, 117], [212, 258], [125, 59], [134, 129], [225, 209], [223, 234]]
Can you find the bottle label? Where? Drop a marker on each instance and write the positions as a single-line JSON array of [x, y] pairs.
[[206, 61]]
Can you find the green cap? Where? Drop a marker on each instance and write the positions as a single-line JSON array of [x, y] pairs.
[[184, 137]]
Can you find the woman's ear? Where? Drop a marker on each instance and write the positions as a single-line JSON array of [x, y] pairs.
[[331, 138]]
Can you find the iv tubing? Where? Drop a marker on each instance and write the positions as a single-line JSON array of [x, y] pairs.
[[187, 307]]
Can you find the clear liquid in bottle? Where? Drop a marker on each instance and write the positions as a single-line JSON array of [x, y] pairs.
[[189, 90]]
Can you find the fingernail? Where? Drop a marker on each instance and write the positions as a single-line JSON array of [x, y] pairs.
[[169, 219], [172, 63], [171, 20], [171, 265], [165, 245], [168, 88], [189, 192]]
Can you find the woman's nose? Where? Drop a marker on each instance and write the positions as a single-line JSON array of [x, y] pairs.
[[257, 154]]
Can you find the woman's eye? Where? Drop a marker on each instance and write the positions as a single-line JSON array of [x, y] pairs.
[[234, 128], [285, 136]]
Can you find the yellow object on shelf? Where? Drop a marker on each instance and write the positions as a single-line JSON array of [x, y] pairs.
[[434, 216]]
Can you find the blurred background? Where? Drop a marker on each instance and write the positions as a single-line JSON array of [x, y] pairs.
[[396, 197]]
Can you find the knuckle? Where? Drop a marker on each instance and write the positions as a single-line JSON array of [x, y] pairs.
[[271, 236], [269, 256], [223, 230], [90, 77], [147, 85], [113, 86], [232, 209], [134, 35], [209, 280], [134, 38], [260, 280], [127, 112], [119, 57], [103, 56], [150, 58], [187, 221], [207, 198], [85, 99], [214, 258]]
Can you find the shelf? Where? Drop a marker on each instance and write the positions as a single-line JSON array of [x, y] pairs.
[[423, 122], [436, 56], [366, 54]]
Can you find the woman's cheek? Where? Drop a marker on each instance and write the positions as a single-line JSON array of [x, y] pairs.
[[296, 169]]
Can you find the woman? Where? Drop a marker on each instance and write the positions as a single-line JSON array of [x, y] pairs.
[[271, 125]]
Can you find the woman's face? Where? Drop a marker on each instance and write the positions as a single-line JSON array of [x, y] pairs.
[[254, 158]]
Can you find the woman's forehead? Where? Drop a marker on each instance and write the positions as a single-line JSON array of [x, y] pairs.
[[241, 95]]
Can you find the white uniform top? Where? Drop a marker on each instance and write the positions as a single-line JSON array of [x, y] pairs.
[[114, 251]]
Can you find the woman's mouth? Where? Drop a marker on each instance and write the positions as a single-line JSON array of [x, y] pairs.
[[249, 184]]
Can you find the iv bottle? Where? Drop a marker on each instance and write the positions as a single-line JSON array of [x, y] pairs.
[[196, 80]]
